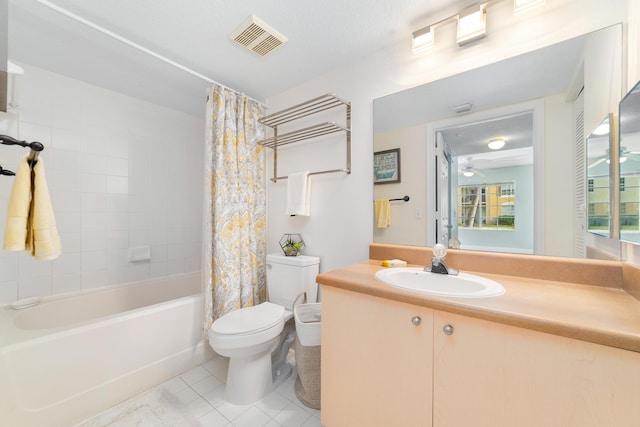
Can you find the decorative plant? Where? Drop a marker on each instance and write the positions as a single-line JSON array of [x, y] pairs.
[[292, 244]]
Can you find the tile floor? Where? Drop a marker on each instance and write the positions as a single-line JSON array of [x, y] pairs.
[[200, 393]]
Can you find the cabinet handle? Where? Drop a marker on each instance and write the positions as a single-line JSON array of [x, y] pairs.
[[447, 329], [416, 320]]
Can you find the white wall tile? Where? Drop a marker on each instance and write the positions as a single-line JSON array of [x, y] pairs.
[[66, 283], [93, 183], [63, 180], [71, 241], [9, 268], [159, 253], [94, 202], [118, 146], [34, 286], [117, 167], [29, 267], [117, 221], [64, 160], [66, 201], [158, 269], [158, 237], [94, 142], [138, 221], [107, 159], [175, 267], [117, 239], [139, 238], [93, 221], [36, 132], [67, 263], [93, 163], [94, 278], [68, 221], [93, 241], [117, 185], [117, 203], [9, 291], [93, 261], [66, 139]]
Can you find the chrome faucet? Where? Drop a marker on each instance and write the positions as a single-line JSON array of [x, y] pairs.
[[437, 262]]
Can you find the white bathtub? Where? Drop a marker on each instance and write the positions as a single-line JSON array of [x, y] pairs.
[[71, 357]]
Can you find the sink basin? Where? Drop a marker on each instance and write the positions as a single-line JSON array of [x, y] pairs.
[[417, 280]]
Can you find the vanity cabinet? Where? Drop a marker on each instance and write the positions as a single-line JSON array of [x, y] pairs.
[[448, 370], [377, 361], [493, 375]]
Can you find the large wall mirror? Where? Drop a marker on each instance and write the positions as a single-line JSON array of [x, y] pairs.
[[526, 191], [629, 129]]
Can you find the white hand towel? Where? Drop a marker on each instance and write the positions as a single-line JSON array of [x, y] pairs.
[[299, 194], [31, 224]]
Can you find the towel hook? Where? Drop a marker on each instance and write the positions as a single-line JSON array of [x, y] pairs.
[[6, 171], [35, 147]]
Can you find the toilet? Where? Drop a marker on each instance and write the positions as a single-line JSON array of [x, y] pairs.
[[257, 339]]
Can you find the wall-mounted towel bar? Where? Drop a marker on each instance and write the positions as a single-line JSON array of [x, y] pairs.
[[401, 199], [313, 106], [404, 199], [36, 147]]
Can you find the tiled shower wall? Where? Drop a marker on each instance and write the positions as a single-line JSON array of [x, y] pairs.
[[121, 173]]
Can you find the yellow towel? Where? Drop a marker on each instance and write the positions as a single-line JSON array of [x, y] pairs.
[[31, 223], [382, 212]]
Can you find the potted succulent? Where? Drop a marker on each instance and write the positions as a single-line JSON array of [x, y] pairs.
[[292, 244]]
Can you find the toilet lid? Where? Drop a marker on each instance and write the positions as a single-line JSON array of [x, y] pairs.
[[249, 319]]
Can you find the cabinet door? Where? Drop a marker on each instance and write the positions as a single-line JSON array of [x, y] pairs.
[[376, 363], [494, 375]]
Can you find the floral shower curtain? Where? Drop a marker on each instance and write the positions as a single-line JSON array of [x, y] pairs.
[[235, 205]]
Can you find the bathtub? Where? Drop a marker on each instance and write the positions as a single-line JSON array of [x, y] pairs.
[[71, 357]]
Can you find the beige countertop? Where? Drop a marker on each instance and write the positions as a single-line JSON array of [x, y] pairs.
[[602, 315]]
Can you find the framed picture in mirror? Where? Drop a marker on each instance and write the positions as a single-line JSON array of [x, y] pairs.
[[386, 166]]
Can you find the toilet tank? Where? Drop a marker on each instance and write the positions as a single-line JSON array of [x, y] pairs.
[[289, 276]]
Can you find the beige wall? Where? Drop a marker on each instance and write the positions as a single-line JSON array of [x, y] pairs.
[[408, 223]]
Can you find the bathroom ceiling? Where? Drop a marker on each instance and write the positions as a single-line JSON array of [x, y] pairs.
[[322, 36]]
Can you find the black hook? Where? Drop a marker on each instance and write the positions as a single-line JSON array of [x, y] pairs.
[[6, 172]]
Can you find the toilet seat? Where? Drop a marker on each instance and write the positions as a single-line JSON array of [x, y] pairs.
[[249, 320]]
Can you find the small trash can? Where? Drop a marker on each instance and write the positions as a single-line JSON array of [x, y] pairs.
[[307, 353]]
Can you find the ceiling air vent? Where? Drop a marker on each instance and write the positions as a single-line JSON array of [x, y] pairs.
[[257, 36]]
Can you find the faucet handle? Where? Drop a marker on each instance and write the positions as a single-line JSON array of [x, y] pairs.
[[439, 250]]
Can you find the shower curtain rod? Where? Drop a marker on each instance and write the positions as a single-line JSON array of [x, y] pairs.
[[134, 45]]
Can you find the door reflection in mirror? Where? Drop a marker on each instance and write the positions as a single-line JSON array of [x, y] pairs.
[[482, 186]]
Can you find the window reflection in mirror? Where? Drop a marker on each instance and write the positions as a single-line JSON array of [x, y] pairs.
[[487, 206], [630, 166]]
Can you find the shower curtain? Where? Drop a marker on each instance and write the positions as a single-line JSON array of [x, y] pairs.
[[235, 204]]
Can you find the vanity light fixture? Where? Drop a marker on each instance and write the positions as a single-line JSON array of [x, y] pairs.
[[423, 39], [521, 6], [472, 24], [496, 143]]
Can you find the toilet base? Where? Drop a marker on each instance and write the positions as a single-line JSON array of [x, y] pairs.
[[251, 378], [248, 379]]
